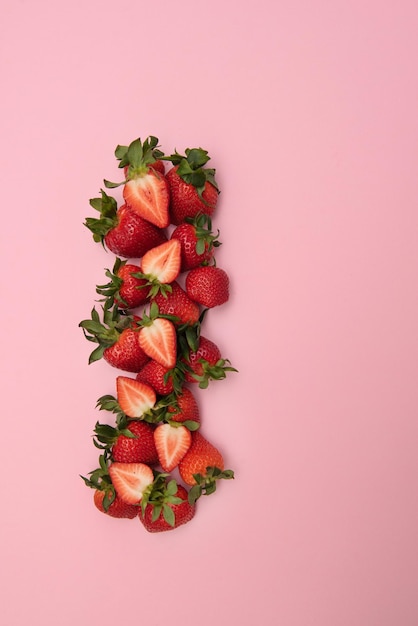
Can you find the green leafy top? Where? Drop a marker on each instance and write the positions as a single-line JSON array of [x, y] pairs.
[[100, 479], [206, 484], [106, 332], [137, 157], [160, 494], [191, 168], [107, 207]]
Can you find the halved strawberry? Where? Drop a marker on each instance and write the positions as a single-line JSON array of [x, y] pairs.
[[145, 190], [163, 261], [158, 341], [134, 397], [172, 443], [130, 480]]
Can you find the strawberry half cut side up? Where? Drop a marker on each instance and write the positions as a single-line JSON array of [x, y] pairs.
[[172, 443], [160, 267], [135, 398], [130, 480], [157, 337], [145, 190], [165, 506]]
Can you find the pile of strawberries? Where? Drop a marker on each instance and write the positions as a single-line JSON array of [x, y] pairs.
[[163, 281]]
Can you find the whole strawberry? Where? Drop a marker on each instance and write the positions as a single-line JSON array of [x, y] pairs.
[[205, 363], [117, 507], [125, 289], [202, 466], [197, 241], [157, 376], [165, 506], [117, 337], [208, 286], [179, 304], [193, 188], [131, 442], [122, 231]]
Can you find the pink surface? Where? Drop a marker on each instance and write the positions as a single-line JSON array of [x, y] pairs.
[[309, 113]]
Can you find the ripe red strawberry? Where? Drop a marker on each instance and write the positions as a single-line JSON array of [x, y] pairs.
[[118, 340], [157, 376], [118, 508], [202, 466], [172, 443], [206, 363], [161, 265], [131, 442], [193, 188], [124, 289], [145, 190], [208, 286], [157, 338], [135, 398], [105, 496], [130, 480], [165, 506], [122, 231], [178, 303], [184, 408], [197, 241]]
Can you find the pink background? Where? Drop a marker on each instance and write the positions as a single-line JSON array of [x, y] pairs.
[[309, 112]]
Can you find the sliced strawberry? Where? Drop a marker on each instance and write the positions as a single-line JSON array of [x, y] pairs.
[[172, 443], [162, 263], [135, 398], [130, 480], [148, 195], [158, 341]]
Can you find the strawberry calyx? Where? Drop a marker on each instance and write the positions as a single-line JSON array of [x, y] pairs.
[[104, 333], [212, 372], [105, 436], [206, 483], [205, 239], [160, 494], [107, 207], [136, 158], [191, 169], [100, 479]]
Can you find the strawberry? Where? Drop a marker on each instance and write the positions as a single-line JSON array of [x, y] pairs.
[[105, 497], [124, 289], [157, 376], [145, 190], [202, 466], [122, 231], [135, 398], [193, 188], [178, 304], [130, 480], [117, 508], [183, 408], [197, 241], [172, 443], [133, 443], [161, 266], [165, 506], [205, 363], [157, 338], [208, 286], [118, 339]]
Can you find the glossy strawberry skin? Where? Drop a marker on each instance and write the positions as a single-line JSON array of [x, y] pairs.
[[183, 512], [179, 304], [139, 450], [133, 236], [133, 292], [208, 286], [118, 508], [201, 454], [186, 234], [186, 409], [152, 373], [185, 201], [207, 351], [126, 354]]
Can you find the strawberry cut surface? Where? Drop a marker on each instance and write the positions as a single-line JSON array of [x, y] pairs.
[[158, 341], [130, 480], [135, 397], [172, 443], [148, 196], [163, 261]]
